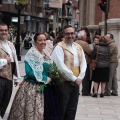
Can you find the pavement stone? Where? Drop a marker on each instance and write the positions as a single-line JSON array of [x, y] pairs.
[[89, 108]]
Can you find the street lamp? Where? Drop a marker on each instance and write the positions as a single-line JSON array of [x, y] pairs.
[[47, 11], [68, 5], [1, 17], [19, 5]]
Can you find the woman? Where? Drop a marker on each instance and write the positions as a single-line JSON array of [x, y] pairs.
[[29, 104], [101, 53], [95, 42]]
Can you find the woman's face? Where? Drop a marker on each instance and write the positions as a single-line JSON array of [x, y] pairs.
[[96, 41], [41, 42]]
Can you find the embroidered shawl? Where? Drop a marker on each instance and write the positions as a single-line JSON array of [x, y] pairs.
[[36, 60]]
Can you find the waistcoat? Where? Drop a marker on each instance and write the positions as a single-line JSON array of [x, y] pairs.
[[69, 56], [7, 70]]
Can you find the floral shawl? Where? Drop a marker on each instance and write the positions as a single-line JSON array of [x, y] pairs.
[[35, 59]]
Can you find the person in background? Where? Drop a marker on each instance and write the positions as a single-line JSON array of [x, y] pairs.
[[58, 38], [23, 34], [70, 59], [31, 103], [88, 40], [49, 43], [95, 42], [112, 85], [9, 69], [101, 53], [86, 89]]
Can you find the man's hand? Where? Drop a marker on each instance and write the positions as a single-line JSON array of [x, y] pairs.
[[78, 81], [16, 83], [48, 80], [8, 59]]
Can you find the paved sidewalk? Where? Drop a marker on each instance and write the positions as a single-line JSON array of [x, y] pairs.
[[107, 108]]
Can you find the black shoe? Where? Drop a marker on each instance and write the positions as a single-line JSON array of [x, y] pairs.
[[107, 94], [86, 94], [102, 95], [114, 94], [95, 95]]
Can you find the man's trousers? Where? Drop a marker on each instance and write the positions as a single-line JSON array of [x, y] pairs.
[[6, 87], [68, 99], [112, 85]]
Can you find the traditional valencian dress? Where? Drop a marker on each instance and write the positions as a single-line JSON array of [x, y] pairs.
[[29, 104]]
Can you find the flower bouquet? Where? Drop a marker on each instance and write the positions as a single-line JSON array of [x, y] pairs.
[[55, 74], [52, 71]]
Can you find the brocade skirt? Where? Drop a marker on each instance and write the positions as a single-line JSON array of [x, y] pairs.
[[29, 104]]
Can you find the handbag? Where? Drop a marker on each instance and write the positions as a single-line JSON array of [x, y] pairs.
[[93, 64], [94, 61]]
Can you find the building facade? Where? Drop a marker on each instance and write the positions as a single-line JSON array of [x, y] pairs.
[[41, 15]]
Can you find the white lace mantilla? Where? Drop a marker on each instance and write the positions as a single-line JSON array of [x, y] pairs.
[[35, 60]]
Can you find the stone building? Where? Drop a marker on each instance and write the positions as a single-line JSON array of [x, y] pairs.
[[40, 15]]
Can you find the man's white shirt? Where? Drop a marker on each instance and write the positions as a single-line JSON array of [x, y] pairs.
[[58, 58]]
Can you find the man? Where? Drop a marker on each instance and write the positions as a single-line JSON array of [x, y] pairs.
[[112, 85], [8, 68], [82, 37], [70, 59]]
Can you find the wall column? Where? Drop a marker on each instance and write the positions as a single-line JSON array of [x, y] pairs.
[[91, 12], [81, 5]]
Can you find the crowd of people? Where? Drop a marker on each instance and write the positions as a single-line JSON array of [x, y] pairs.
[[72, 54]]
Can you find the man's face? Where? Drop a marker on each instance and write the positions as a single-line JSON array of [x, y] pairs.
[[69, 35], [107, 37], [3, 32]]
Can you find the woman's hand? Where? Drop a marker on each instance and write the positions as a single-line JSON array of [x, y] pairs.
[[48, 80]]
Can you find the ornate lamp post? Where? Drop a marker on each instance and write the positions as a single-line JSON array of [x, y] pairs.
[[68, 5], [19, 5], [47, 10], [1, 16]]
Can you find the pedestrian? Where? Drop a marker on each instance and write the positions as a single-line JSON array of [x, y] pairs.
[[88, 39], [70, 59], [82, 41], [112, 85], [36, 98], [101, 53], [95, 42], [58, 38], [49, 44], [9, 69]]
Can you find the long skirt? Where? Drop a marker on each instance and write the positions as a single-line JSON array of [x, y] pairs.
[[29, 104], [51, 104]]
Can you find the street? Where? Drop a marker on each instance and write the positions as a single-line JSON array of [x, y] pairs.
[[107, 108]]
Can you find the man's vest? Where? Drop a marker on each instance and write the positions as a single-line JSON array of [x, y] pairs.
[[7, 70], [69, 57]]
